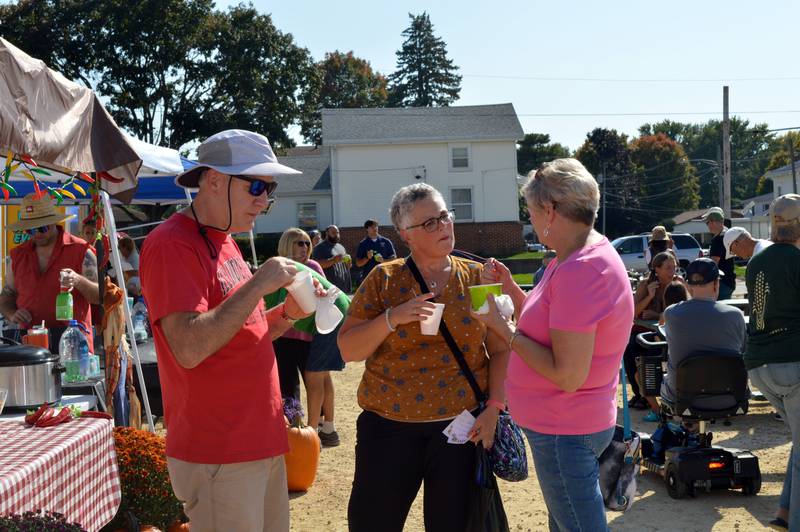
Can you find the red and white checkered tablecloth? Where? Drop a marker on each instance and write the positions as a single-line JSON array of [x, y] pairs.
[[69, 468]]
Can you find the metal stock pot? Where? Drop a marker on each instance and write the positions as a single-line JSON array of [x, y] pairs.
[[31, 374]]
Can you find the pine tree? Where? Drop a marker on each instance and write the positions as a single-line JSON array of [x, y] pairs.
[[425, 77]]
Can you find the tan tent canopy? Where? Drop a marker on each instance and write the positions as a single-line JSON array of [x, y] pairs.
[[60, 124]]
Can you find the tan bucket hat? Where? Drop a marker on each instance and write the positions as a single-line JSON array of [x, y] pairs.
[[37, 212]]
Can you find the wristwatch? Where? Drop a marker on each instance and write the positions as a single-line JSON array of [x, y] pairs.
[[285, 316]]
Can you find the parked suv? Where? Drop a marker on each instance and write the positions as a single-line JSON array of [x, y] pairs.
[[632, 250]]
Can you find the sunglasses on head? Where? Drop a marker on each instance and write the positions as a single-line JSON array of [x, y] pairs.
[[35, 230], [258, 186]]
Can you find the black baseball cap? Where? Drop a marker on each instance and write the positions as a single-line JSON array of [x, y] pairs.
[[702, 271]]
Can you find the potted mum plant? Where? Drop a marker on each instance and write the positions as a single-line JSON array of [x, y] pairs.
[[147, 495]]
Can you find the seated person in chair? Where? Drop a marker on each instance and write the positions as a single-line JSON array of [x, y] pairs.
[[701, 323]]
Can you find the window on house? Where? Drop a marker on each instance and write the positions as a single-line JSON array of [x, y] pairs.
[[459, 158], [307, 215], [461, 203]]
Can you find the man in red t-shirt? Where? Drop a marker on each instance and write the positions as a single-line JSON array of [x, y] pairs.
[[226, 433]]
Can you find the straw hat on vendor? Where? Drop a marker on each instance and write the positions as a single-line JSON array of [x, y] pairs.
[[37, 212]]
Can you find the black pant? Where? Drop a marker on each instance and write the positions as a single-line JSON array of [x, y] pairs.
[[291, 355], [632, 352], [392, 459]]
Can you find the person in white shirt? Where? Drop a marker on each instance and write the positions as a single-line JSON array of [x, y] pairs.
[[740, 243]]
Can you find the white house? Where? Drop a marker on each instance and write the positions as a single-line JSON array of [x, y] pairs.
[[468, 153], [782, 180], [305, 200]]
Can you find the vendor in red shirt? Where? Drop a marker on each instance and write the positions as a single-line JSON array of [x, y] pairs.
[[213, 339], [36, 270]]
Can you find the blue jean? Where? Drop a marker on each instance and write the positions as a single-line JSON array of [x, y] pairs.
[[569, 474], [780, 384]]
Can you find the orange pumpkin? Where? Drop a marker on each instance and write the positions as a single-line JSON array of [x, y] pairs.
[[302, 460]]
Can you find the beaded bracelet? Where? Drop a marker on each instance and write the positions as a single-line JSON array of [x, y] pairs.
[[389, 323]]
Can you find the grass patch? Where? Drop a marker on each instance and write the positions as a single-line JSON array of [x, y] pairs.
[[526, 255], [739, 271], [523, 278]]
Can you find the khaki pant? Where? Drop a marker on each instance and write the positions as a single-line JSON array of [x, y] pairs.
[[241, 497]]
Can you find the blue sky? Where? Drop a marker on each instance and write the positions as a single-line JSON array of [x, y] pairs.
[[724, 42]]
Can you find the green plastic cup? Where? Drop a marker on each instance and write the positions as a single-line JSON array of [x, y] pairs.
[[479, 292]]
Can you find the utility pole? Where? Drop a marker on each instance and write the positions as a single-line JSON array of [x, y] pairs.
[[603, 195], [794, 170], [720, 177], [726, 155]]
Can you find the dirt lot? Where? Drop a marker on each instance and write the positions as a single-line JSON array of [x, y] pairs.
[[324, 506]]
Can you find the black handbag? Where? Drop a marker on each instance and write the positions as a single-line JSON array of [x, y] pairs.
[[507, 456], [486, 512]]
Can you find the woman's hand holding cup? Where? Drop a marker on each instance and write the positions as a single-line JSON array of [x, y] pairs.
[[415, 309]]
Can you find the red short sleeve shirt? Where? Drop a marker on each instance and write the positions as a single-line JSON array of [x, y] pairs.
[[228, 408]]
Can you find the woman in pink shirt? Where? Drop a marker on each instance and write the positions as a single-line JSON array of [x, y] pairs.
[[567, 344]]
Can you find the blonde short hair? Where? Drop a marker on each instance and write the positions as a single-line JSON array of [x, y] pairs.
[[288, 238], [569, 186]]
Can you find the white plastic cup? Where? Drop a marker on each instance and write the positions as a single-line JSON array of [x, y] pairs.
[[303, 291], [430, 324]]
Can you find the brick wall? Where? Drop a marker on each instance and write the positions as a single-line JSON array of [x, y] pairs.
[[488, 239]]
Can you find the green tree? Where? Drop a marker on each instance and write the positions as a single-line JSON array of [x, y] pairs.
[[346, 81], [425, 76], [606, 152], [669, 182], [173, 71], [55, 31], [752, 147], [264, 81], [533, 150]]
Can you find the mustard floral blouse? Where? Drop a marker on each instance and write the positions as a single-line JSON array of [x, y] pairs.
[[412, 377]]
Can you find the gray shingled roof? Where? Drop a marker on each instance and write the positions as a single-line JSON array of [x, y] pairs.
[[420, 124], [314, 162]]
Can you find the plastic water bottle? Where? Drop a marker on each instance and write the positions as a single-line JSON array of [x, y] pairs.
[[73, 350], [140, 321], [64, 305]]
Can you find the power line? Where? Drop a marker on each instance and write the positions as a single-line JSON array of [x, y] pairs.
[[631, 80], [687, 113]]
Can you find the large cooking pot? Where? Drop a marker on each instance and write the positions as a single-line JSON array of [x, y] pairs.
[[31, 374]]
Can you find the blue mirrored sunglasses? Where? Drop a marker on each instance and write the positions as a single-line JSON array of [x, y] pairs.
[[43, 229], [258, 186]]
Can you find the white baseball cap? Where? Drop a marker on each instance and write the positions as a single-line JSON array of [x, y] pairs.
[[235, 152], [730, 235]]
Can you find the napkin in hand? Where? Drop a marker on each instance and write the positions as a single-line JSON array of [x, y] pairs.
[[504, 304]]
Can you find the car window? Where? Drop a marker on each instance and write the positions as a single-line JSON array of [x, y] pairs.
[[685, 241], [631, 245]]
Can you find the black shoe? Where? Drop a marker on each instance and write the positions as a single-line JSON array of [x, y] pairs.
[[778, 417], [329, 439], [778, 524], [638, 403]]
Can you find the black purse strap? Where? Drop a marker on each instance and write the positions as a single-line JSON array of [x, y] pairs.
[[448, 338]]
